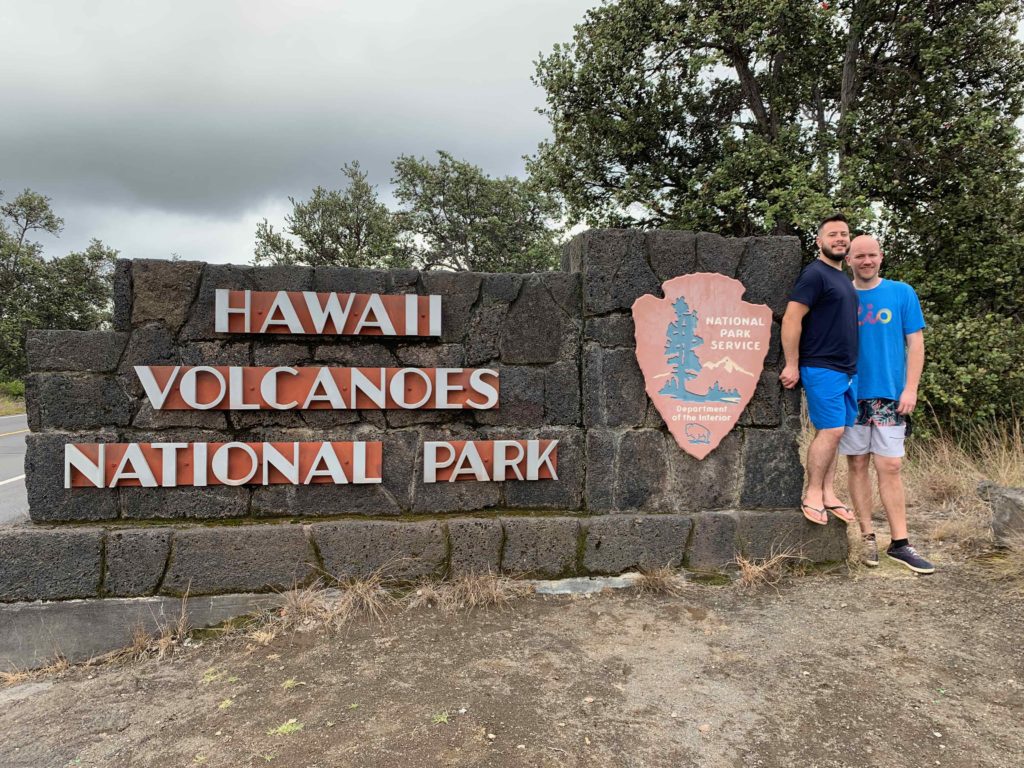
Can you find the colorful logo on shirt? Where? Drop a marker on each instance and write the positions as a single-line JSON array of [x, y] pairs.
[[869, 316]]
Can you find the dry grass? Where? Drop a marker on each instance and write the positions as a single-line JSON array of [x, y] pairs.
[[14, 677], [484, 590], [158, 644], [941, 475], [660, 581], [58, 666], [467, 592], [11, 406], [1007, 564], [362, 599], [760, 573], [320, 607]]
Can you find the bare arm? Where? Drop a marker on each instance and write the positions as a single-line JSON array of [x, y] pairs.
[[915, 364], [792, 326]]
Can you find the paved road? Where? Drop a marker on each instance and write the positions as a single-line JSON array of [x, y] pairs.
[[13, 501]]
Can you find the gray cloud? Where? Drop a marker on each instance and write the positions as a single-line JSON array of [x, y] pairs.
[[195, 115]]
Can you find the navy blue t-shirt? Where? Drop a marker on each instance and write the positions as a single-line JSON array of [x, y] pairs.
[[829, 336]]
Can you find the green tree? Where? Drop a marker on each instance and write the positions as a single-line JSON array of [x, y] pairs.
[[459, 218], [70, 292], [757, 116], [348, 227], [451, 215]]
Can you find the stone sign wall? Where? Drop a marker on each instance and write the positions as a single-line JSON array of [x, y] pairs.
[[563, 343]]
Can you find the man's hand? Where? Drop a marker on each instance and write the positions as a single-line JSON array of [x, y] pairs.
[[791, 375], [908, 402]]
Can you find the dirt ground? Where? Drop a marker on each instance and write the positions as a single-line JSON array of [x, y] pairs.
[[861, 668]]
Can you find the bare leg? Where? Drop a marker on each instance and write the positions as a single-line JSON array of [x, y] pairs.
[[821, 459], [890, 488], [860, 491], [829, 486]]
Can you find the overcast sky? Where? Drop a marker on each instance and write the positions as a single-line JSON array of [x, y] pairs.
[[173, 127]]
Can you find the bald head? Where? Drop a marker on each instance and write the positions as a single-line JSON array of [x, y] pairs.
[[865, 243], [865, 259]]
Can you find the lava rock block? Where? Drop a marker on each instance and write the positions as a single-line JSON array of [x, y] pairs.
[[613, 388], [765, 533], [534, 326], [602, 446], [475, 546], [640, 471], [121, 317], [562, 393], [615, 269], [1007, 513], [621, 543], [238, 558], [772, 473], [565, 493], [712, 483], [672, 253], [615, 330], [459, 292], [72, 401], [49, 564], [48, 500], [215, 502], [714, 543], [135, 561], [349, 280], [353, 549], [544, 547], [769, 268], [93, 351], [520, 398], [719, 254], [764, 408], [163, 290]]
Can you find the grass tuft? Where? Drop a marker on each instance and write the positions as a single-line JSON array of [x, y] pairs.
[[660, 581], [1006, 564], [484, 590], [755, 574]]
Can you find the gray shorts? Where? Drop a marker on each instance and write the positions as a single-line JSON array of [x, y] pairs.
[[868, 438]]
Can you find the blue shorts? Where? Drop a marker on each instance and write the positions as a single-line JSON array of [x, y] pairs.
[[831, 397]]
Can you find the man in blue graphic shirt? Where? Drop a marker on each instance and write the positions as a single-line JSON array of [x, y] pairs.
[[890, 327]]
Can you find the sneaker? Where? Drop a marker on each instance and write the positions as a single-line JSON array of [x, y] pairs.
[[869, 551], [909, 557]]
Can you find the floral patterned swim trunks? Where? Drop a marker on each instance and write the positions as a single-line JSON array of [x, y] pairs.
[[878, 412]]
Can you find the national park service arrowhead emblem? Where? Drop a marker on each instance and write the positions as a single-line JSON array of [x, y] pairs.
[[701, 350]]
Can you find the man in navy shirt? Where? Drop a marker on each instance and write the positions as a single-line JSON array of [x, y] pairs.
[[819, 339], [891, 327]]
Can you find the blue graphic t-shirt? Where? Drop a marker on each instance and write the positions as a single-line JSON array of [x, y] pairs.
[[886, 314]]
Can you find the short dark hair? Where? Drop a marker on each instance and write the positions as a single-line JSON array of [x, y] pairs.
[[837, 216]]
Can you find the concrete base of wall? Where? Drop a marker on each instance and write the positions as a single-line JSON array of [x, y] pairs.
[[36, 634], [65, 563]]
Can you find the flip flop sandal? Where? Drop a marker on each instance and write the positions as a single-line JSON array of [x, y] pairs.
[[823, 520], [846, 515]]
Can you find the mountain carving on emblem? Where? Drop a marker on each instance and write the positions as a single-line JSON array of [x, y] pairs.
[[730, 366]]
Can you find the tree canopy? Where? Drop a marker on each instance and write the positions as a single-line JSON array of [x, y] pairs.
[[71, 292], [758, 116], [451, 215]]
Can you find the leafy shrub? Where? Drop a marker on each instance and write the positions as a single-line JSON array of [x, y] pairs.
[[973, 373], [13, 389]]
